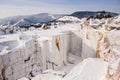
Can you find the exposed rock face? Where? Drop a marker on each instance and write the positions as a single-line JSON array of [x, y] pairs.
[[32, 55], [106, 45], [32, 52]]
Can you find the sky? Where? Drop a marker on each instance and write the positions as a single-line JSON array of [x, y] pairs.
[[27, 7]]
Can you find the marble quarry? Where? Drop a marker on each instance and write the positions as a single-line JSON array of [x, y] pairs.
[[46, 54]]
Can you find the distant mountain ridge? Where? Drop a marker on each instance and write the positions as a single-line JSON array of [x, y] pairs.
[[29, 19], [87, 14], [45, 18]]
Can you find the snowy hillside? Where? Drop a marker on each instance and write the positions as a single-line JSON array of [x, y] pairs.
[[69, 18], [85, 50], [46, 17], [22, 20]]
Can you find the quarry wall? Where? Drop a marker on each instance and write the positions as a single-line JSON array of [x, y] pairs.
[[30, 55]]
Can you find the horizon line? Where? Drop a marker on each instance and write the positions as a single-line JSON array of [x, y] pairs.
[[58, 13]]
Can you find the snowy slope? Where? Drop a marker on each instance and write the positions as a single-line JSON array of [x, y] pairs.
[[69, 18], [88, 69], [46, 17], [21, 20], [117, 19]]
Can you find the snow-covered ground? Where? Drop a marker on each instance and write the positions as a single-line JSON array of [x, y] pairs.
[[69, 18], [85, 50]]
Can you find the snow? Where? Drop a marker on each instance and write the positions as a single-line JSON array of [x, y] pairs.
[[71, 59], [9, 46], [22, 22], [70, 65], [69, 18], [23, 78], [63, 53], [29, 19], [95, 22], [89, 69], [116, 50], [50, 75], [117, 19], [85, 70], [113, 65]]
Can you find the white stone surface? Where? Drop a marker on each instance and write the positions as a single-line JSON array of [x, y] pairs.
[[89, 69], [50, 75], [23, 78], [29, 53]]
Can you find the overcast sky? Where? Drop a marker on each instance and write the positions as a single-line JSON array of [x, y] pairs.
[[27, 7]]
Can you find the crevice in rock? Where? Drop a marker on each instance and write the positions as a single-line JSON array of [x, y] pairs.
[[27, 59], [53, 64], [64, 63], [100, 36], [3, 73], [87, 36], [31, 74], [98, 49], [57, 42]]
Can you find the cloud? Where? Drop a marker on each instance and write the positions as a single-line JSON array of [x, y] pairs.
[[27, 10]]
